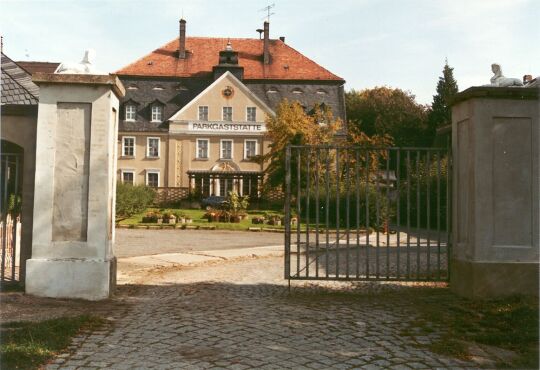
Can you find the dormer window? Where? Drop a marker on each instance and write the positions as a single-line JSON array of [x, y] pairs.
[[132, 87], [297, 91], [272, 90], [322, 92], [157, 113], [131, 112], [158, 87]]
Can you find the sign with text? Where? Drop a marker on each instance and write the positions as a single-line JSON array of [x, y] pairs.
[[227, 127]]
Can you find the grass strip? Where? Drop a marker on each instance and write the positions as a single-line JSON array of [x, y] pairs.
[[510, 323], [27, 345]]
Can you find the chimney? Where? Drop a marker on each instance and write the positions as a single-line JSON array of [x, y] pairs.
[[282, 38], [182, 40], [266, 45]]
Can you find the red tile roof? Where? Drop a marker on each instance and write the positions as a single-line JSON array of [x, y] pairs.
[[203, 54]]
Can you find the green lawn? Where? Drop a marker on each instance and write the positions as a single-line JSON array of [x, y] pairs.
[[27, 345], [197, 216]]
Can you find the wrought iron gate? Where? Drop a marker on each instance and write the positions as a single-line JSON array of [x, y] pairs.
[[10, 226], [354, 213]]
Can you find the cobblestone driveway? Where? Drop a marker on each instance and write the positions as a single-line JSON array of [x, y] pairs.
[[240, 315]]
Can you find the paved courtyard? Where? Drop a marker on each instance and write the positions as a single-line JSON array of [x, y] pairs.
[[238, 314]]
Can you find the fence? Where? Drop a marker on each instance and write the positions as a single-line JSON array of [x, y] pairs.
[[170, 195], [10, 226], [10, 236], [367, 213]]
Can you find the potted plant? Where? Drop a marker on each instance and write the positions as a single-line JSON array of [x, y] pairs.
[[258, 220], [237, 206], [188, 220], [180, 218], [169, 218], [224, 216], [152, 217]]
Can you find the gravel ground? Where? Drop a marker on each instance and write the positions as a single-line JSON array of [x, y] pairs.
[[137, 242]]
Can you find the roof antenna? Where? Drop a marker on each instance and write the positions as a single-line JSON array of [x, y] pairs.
[[268, 10]]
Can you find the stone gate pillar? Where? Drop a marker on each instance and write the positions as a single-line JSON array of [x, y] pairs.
[[495, 143], [74, 202]]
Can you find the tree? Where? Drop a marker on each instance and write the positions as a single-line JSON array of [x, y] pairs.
[[386, 111], [292, 125], [440, 114]]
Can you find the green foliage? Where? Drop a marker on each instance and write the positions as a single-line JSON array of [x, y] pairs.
[[27, 345], [14, 204], [392, 112], [440, 114], [292, 125], [132, 199], [417, 192], [370, 196], [237, 204]]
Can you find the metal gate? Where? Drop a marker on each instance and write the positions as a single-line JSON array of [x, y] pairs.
[[354, 213], [10, 226]]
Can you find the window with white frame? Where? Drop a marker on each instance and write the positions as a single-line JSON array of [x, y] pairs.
[[226, 149], [157, 113], [131, 112], [227, 113], [203, 113], [250, 149], [202, 149], [251, 114], [128, 146], [128, 177], [152, 178], [152, 147]]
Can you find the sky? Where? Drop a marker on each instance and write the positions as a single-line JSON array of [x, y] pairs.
[[395, 43]]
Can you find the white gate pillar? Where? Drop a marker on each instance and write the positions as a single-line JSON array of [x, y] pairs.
[[74, 201], [495, 144]]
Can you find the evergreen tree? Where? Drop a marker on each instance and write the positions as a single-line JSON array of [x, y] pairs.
[[441, 113]]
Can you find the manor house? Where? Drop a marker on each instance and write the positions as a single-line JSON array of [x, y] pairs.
[[195, 108]]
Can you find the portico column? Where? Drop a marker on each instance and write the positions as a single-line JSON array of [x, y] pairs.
[[74, 202]]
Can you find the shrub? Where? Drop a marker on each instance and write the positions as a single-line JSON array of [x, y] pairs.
[[437, 200], [132, 199], [375, 199]]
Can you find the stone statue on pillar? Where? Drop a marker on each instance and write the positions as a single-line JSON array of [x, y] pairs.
[[85, 66], [500, 81]]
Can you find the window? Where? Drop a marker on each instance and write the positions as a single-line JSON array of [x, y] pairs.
[[251, 114], [250, 148], [152, 178], [131, 112], [227, 113], [128, 177], [203, 113], [128, 146], [202, 149], [157, 112], [225, 186], [152, 147], [226, 149]]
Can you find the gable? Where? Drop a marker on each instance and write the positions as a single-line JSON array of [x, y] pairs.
[[215, 98]]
